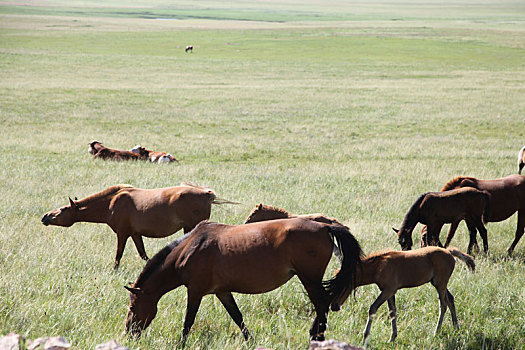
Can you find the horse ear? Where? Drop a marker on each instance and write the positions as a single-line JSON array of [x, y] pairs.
[[72, 203], [133, 290], [259, 206], [395, 230]]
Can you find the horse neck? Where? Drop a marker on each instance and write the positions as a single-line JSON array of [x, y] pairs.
[[96, 210]]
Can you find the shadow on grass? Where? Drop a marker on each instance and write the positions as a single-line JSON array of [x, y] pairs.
[[481, 341]]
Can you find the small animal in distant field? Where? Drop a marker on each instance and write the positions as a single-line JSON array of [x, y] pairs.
[[263, 212], [101, 152], [154, 156], [507, 195], [391, 270], [434, 209], [250, 259], [521, 159], [134, 212], [189, 48]]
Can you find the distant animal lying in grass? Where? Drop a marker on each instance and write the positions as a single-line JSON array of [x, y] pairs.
[[189, 48], [521, 159], [154, 156], [134, 212], [391, 270], [435, 209], [99, 151]]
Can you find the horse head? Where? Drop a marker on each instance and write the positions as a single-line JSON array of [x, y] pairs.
[[263, 212], [63, 216], [404, 237], [141, 312], [94, 147]]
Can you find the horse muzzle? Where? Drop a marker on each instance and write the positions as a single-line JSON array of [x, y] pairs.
[[46, 220]]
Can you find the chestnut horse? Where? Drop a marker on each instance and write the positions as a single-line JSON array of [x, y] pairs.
[[434, 209], [134, 212], [154, 156], [251, 259], [99, 151], [507, 195], [521, 159], [391, 270]]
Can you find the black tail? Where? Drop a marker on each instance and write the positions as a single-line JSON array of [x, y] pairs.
[[344, 281]]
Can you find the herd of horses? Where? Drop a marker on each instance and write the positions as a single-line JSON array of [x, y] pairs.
[[273, 245], [136, 153]]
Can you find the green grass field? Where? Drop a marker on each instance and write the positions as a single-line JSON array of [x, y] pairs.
[[351, 109]]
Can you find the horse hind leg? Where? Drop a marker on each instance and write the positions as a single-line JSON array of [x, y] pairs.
[[452, 307], [384, 296], [121, 244], [483, 233], [392, 313], [229, 303], [139, 244], [473, 242], [442, 309], [519, 231], [451, 231], [321, 301]]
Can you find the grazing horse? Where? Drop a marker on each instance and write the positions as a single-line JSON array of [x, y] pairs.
[[263, 212], [521, 159], [134, 212], [189, 48], [251, 259], [434, 209], [507, 195], [99, 151], [154, 156], [391, 270]]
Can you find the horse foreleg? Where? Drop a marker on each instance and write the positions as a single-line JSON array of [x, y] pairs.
[[229, 303], [392, 313], [194, 301], [384, 296], [519, 231], [433, 234], [121, 244], [451, 231], [139, 244], [452, 308]]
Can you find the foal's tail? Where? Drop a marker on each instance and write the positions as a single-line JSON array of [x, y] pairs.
[[467, 259], [340, 286]]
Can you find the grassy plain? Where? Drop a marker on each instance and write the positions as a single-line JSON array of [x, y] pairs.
[[349, 109]]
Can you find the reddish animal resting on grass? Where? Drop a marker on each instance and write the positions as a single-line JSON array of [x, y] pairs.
[[506, 196], [134, 212], [154, 156], [253, 258], [391, 270], [99, 151], [434, 209]]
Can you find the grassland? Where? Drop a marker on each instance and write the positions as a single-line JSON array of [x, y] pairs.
[[349, 109]]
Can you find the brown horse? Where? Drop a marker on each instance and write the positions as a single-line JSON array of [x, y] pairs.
[[391, 270], [251, 259], [154, 156], [263, 212], [99, 151], [189, 48], [507, 195], [134, 212], [434, 209], [521, 159]]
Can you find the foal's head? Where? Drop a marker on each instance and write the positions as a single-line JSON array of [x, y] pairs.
[[63, 216], [141, 312], [404, 237], [94, 147], [263, 212]]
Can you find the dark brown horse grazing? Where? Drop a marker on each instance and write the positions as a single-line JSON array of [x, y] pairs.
[[434, 209], [391, 270], [253, 258], [99, 151], [507, 195], [134, 212]]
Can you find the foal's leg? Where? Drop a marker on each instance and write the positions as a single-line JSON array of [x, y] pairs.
[[139, 244], [229, 303], [519, 231], [384, 296], [442, 309], [121, 244], [320, 298], [483, 233], [473, 243], [452, 307], [451, 232], [194, 301], [392, 313]]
